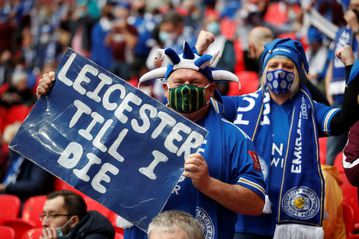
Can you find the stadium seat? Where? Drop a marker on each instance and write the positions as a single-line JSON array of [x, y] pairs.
[[118, 235], [239, 56], [62, 185], [94, 205], [34, 233], [113, 219], [6, 232], [9, 206], [19, 225], [348, 214], [32, 209], [249, 81]]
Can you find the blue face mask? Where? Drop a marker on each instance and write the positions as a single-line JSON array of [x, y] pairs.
[[214, 28], [279, 81], [166, 37]]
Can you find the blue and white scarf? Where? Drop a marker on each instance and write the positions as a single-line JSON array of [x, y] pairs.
[[301, 199]]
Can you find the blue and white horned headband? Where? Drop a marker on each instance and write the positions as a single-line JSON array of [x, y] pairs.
[[289, 48], [189, 60]]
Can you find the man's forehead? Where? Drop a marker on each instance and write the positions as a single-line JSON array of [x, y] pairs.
[[55, 203], [187, 74]]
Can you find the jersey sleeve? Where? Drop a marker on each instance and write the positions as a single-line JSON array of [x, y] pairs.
[[246, 169], [324, 115]]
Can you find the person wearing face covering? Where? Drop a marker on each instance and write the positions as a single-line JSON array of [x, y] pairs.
[[285, 123], [228, 59], [65, 216], [223, 177]]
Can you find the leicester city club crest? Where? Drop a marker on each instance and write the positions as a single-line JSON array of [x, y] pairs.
[[301, 203]]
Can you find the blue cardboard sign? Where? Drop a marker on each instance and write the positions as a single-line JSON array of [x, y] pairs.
[[108, 139]]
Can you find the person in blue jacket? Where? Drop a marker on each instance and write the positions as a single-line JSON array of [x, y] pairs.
[[223, 177], [285, 123]]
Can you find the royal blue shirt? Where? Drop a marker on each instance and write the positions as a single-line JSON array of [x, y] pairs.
[[280, 122], [230, 157]]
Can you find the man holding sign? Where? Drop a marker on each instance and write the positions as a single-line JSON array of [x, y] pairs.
[[224, 177]]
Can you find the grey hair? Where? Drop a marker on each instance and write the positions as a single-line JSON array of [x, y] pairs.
[[168, 221], [298, 75]]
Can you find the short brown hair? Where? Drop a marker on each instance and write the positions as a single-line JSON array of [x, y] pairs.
[[74, 203]]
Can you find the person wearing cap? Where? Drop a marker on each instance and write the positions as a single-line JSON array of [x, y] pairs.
[[284, 123], [224, 177]]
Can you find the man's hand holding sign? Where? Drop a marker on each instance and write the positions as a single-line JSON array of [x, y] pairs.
[[120, 134], [107, 139]]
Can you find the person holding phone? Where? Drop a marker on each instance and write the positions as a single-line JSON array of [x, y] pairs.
[[65, 215]]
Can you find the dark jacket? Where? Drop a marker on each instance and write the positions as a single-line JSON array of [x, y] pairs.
[[93, 226], [32, 180]]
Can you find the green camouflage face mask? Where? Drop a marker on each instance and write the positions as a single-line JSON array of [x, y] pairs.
[[187, 98]]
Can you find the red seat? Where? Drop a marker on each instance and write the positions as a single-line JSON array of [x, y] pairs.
[[249, 81], [348, 214], [94, 205], [19, 225], [9, 206], [228, 27], [62, 185], [113, 218], [118, 235], [34, 233], [239, 56], [323, 149], [32, 209], [6, 232]]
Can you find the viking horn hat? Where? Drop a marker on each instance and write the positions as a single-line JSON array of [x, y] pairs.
[[189, 60]]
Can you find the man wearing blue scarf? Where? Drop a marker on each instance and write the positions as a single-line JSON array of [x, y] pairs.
[[284, 123], [224, 177]]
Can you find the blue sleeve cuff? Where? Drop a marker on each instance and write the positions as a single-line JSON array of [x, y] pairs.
[[253, 185]]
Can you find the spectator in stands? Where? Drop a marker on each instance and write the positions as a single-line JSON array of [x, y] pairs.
[[268, 117], [351, 156], [101, 53], [172, 34], [18, 92], [65, 215], [227, 62], [333, 223], [23, 178], [317, 55], [225, 177], [174, 224], [173, 31], [336, 79], [257, 38], [122, 40]]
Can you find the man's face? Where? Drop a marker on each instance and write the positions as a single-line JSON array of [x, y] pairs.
[[55, 214], [187, 76]]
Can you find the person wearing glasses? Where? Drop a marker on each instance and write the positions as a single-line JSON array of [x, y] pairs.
[[65, 215]]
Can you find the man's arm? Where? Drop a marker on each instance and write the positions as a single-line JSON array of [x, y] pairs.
[[232, 196]]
